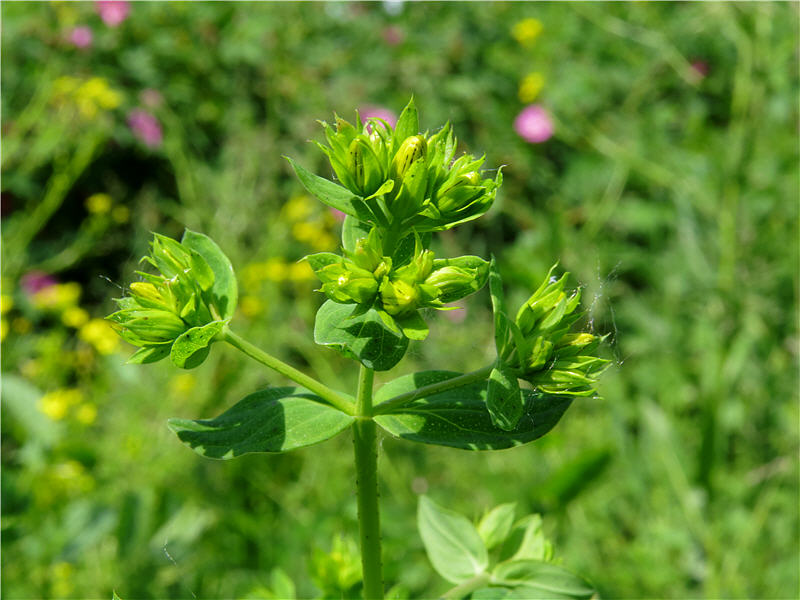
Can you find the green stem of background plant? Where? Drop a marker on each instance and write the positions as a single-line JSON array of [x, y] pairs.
[[434, 388], [366, 454], [323, 391]]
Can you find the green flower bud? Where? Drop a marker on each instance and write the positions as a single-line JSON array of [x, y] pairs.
[[149, 325], [149, 296], [413, 149], [399, 298]]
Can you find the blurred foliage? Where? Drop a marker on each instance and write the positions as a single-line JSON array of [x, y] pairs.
[[669, 189]]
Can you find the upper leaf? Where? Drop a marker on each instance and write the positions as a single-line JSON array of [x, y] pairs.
[[459, 417], [407, 124], [495, 525], [332, 194], [224, 290], [271, 420], [363, 335], [453, 545]]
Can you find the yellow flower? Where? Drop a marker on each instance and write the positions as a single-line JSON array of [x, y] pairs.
[[530, 86], [251, 306], [314, 234], [21, 325], [300, 272], [98, 333], [121, 214], [182, 385], [65, 86], [526, 31], [57, 403], [57, 297], [298, 208], [74, 316], [98, 204], [6, 303], [86, 414]]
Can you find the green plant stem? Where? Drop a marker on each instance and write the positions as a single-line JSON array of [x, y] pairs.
[[469, 586], [323, 391], [366, 453], [434, 388]]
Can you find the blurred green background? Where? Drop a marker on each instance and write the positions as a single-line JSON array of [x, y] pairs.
[[669, 188]]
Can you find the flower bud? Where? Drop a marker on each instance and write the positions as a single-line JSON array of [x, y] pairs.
[[414, 148], [148, 295], [150, 325], [398, 297]]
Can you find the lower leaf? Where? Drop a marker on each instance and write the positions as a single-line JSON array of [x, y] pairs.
[[271, 420]]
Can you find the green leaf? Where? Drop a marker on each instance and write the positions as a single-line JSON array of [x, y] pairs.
[[332, 194], [191, 347], [271, 420], [224, 291], [407, 125], [149, 354], [359, 334], [535, 579], [453, 545], [495, 525], [526, 540], [459, 417], [352, 231], [504, 398], [413, 326]]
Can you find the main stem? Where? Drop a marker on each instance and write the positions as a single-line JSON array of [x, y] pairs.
[[366, 451], [323, 391]]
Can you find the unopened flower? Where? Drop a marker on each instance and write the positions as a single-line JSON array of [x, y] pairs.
[[146, 127], [81, 36], [113, 12], [533, 124]]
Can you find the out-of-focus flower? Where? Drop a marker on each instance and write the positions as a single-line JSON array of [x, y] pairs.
[[300, 272], [74, 317], [251, 306], [151, 98], [100, 334], [56, 404], [86, 413], [701, 67], [121, 214], [146, 127], [94, 95], [298, 208], [182, 384], [337, 214], [81, 36], [98, 204], [533, 124], [314, 234], [378, 112], [34, 281], [57, 297], [113, 12], [526, 31], [393, 35], [455, 316], [530, 86]]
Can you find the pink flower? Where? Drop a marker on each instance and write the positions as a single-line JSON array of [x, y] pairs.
[[337, 214], [393, 35], [701, 68], [533, 124], [35, 281], [81, 36], [145, 127], [113, 12], [378, 112], [455, 316]]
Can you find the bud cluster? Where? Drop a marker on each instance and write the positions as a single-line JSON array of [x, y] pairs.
[[545, 352], [398, 289], [412, 179], [162, 307]]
